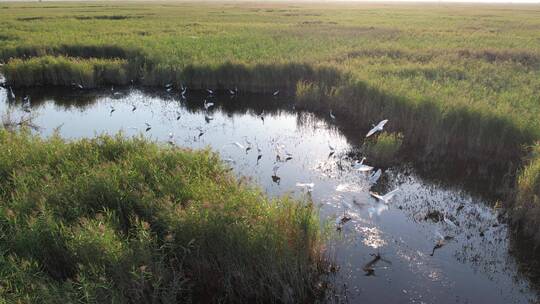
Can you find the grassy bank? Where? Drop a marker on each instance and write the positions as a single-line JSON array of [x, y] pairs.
[[526, 212], [461, 82], [123, 220]]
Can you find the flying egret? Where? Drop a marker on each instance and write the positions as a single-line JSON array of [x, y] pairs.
[[210, 91], [387, 197], [332, 115], [232, 92], [377, 128], [374, 177], [361, 167], [276, 93]]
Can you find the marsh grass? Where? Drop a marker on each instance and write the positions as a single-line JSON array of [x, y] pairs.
[[526, 211], [122, 220], [64, 71]]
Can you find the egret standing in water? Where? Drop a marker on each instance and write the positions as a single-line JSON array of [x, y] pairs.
[[377, 128]]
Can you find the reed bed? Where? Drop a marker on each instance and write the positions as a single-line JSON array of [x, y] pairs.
[[122, 220]]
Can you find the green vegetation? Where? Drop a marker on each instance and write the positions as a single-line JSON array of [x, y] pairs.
[[383, 150], [125, 221], [526, 213], [62, 71], [458, 81]]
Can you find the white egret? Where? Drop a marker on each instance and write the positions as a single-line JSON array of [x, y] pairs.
[[208, 118], [276, 93], [377, 128], [11, 94], [210, 91], [374, 177], [387, 197]]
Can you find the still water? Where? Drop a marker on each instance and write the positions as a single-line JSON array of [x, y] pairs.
[[436, 244]]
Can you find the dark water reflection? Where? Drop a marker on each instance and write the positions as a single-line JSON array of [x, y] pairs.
[[473, 266]]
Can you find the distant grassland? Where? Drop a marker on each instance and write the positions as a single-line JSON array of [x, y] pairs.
[[461, 81]]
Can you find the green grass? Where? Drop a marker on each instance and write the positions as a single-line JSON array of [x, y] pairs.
[[526, 212], [122, 220], [460, 82]]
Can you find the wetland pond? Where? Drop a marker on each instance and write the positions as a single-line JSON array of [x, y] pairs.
[[472, 265]]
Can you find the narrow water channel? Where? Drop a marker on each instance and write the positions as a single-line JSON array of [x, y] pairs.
[[436, 244]]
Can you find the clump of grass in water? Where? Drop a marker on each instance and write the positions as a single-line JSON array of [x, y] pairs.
[[526, 209], [112, 219], [65, 71], [383, 150]]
